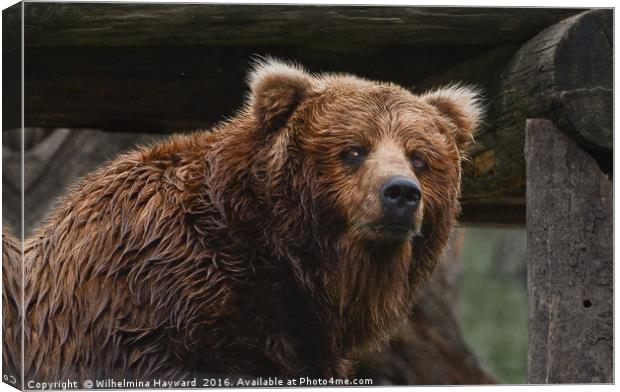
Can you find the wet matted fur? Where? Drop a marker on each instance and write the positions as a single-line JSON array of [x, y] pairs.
[[252, 249]]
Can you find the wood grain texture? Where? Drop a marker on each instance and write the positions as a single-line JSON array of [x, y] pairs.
[[56, 24], [564, 74], [570, 261]]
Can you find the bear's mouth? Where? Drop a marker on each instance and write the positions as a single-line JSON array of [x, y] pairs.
[[393, 230]]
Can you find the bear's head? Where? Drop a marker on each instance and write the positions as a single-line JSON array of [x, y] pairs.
[[355, 183]]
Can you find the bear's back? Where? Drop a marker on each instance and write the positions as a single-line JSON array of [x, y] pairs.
[[121, 258]]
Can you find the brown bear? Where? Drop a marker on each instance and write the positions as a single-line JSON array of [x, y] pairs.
[[281, 243]]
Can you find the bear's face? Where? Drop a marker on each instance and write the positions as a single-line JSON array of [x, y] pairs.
[[379, 155], [373, 158]]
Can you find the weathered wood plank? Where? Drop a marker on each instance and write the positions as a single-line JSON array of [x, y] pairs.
[[58, 24], [570, 261]]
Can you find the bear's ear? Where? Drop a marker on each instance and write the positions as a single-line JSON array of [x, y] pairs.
[[462, 106], [276, 88]]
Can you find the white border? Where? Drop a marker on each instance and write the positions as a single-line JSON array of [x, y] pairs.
[[509, 3]]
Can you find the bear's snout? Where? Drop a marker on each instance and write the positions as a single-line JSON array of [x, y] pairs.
[[400, 198]]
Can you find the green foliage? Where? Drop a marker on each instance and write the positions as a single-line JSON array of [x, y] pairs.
[[494, 301]]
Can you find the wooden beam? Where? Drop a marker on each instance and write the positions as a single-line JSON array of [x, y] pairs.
[[570, 261], [58, 24], [163, 89]]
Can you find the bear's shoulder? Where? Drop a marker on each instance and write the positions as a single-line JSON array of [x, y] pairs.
[[162, 178]]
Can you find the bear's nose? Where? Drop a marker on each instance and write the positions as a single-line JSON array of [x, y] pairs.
[[401, 196]]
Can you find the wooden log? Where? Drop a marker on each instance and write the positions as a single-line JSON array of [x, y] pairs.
[[344, 27], [564, 74], [158, 78], [570, 261]]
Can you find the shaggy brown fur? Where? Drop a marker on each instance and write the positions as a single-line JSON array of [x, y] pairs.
[[254, 249], [11, 309]]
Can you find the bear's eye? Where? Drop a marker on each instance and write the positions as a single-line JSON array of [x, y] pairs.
[[353, 155], [418, 162]]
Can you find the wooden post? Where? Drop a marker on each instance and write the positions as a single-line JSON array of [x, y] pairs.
[[570, 261]]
